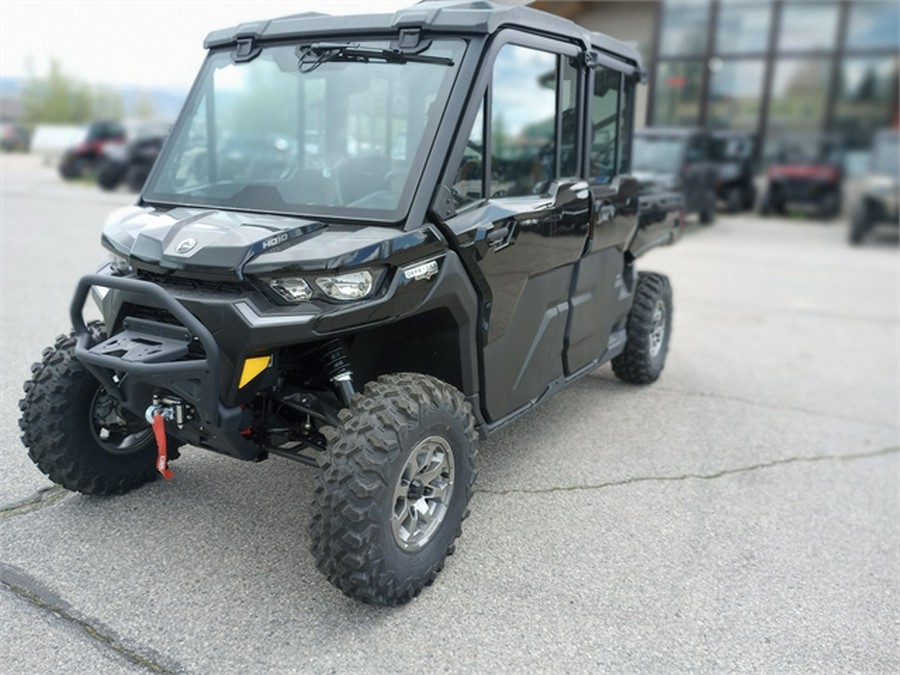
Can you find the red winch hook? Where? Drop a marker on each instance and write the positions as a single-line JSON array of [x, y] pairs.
[[162, 458]]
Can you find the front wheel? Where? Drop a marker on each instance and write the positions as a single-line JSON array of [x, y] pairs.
[[648, 328], [394, 488], [76, 433]]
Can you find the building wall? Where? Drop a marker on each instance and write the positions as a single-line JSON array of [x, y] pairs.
[[771, 67]]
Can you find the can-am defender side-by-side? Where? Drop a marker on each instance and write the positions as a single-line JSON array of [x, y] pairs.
[[368, 242]]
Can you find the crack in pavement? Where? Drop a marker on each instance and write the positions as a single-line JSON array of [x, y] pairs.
[[43, 498], [604, 384], [33, 592], [693, 476]]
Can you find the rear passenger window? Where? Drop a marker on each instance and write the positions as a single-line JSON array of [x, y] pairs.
[[605, 124]]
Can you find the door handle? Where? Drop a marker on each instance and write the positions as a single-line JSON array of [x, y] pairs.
[[606, 210], [498, 238]]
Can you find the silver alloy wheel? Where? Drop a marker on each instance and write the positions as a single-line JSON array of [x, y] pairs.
[[423, 493], [657, 328]]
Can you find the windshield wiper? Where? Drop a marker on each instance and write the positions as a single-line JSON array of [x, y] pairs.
[[314, 55]]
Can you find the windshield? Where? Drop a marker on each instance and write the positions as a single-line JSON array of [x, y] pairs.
[[659, 154], [813, 149], [336, 130]]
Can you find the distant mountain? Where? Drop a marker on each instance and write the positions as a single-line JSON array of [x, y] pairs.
[[166, 102], [10, 86]]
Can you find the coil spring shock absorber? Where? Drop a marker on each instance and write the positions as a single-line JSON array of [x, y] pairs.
[[336, 362]]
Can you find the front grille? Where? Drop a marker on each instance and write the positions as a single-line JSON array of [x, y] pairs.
[[170, 281], [153, 314], [799, 189]]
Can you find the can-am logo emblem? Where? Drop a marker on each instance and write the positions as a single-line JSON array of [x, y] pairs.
[[186, 246]]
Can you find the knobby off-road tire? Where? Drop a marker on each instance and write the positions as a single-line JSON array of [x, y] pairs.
[[75, 432], [860, 224], [393, 488], [648, 329], [708, 210]]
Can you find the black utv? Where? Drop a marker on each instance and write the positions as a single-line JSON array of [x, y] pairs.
[[733, 154], [368, 242], [678, 160]]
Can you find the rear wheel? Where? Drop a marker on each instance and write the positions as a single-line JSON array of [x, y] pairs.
[[735, 200], [765, 207], [648, 329], [109, 175], [136, 176], [860, 224], [829, 204], [394, 488], [708, 210], [79, 435]]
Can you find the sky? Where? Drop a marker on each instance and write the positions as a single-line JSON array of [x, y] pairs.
[[152, 43]]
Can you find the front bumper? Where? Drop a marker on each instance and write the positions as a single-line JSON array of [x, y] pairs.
[[148, 357]]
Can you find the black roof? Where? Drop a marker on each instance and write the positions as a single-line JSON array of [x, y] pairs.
[[472, 17]]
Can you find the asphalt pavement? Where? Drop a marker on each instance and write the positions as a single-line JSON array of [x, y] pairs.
[[740, 515]]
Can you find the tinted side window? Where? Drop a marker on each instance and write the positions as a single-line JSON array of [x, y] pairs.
[[534, 133], [626, 121], [523, 121], [696, 149], [569, 119]]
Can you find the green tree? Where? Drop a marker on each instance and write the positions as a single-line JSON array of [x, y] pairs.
[[143, 107], [57, 98], [106, 103]]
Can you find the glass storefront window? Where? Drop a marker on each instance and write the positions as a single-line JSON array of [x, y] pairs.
[[874, 25], [807, 26], [684, 28], [735, 93], [799, 90], [743, 28], [864, 103], [676, 98]]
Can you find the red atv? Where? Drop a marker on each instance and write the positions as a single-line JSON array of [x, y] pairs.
[[807, 173]]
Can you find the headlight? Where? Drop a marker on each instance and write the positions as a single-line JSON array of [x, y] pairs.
[[352, 286], [292, 289], [340, 287]]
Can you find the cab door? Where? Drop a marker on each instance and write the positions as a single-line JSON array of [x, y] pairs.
[[601, 292], [523, 210]]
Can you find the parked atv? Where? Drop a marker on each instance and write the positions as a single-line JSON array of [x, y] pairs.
[[807, 174], [130, 163], [406, 261], [83, 159], [879, 202]]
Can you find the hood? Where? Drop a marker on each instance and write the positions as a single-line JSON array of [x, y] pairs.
[[230, 244]]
